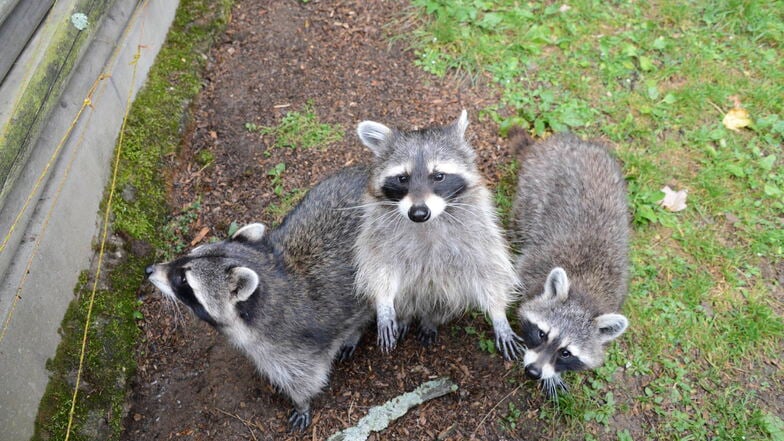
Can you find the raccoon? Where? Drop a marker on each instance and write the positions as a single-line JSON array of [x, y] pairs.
[[284, 297], [430, 245], [571, 227]]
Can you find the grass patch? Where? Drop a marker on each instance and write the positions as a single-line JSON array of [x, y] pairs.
[[154, 129], [300, 130], [655, 79], [286, 199]]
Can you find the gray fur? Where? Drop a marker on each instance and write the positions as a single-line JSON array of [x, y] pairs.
[[285, 297], [435, 269], [571, 227]]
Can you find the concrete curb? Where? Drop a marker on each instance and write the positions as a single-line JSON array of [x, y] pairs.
[[55, 243]]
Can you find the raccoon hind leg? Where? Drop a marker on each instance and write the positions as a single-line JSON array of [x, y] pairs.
[[427, 332], [299, 420], [349, 346]]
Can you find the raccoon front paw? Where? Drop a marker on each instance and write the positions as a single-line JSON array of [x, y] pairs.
[[509, 344], [426, 335], [299, 420], [346, 351], [387, 334]]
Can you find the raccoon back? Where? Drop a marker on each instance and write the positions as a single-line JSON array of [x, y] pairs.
[[571, 211]]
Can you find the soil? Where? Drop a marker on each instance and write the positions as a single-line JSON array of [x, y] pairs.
[[277, 56]]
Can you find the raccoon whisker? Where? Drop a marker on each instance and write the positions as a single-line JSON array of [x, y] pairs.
[[173, 308], [369, 204], [387, 216], [454, 218], [466, 208]]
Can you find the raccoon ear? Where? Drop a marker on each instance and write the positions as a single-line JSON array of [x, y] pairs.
[[557, 284], [375, 136], [611, 326], [242, 282], [461, 123], [250, 233]]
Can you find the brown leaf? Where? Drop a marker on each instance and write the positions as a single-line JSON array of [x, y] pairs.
[[200, 236]]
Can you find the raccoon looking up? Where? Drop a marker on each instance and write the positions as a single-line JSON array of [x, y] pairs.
[[284, 297], [571, 227], [430, 246]]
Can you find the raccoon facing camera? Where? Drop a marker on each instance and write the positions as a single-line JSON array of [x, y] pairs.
[[284, 297], [430, 246], [571, 228]]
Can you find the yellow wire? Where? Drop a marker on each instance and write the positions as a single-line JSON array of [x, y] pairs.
[[51, 161], [44, 226], [55, 154], [107, 211]]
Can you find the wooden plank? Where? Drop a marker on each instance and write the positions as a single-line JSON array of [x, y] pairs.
[[17, 28]]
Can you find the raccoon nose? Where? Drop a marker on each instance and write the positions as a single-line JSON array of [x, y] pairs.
[[149, 270], [533, 372], [419, 213]]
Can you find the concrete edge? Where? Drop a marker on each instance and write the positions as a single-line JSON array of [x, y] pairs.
[[56, 242]]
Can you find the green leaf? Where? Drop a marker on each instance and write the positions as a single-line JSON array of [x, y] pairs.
[[767, 162], [490, 20], [772, 190], [735, 170], [774, 426], [653, 92], [233, 227], [646, 64]]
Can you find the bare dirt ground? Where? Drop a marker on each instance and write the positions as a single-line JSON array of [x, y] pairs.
[[276, 56]]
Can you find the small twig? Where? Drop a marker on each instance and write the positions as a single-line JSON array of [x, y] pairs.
[[243, 421], [473, 434], [721, 112]]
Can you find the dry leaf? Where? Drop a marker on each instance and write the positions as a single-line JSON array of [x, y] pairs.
[[736, 119], [673, 200], [200, 236]]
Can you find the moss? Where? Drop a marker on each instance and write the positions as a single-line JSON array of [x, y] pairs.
[[154, 129], [43, 90]]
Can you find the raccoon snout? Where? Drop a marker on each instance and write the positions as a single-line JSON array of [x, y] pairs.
[[533, 372], [419, 213], [149, 270]]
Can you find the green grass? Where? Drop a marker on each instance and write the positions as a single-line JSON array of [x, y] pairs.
[[153, 131], [655, 80], [286, 200], [300, 129]]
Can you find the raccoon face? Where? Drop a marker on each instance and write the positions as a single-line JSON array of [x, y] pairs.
[[420, 172], [560, 332], [212, 280]]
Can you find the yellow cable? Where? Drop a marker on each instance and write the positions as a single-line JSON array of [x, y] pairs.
[[107, 211], [87, 102]]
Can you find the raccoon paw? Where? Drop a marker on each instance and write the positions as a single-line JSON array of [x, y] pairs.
[[277, 389], [387, 334], [426, 335], [299, 420], [346, 351], [509, 344], [402, 330]]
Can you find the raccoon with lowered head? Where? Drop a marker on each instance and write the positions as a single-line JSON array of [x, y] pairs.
[[430, 245], [572, 232], [284, 297]]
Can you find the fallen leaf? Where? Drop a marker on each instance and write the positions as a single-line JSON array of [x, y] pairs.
[[200, 236], [673, 200], [736, 119]]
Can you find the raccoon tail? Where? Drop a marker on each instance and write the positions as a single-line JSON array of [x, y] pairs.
[[519, 140]]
